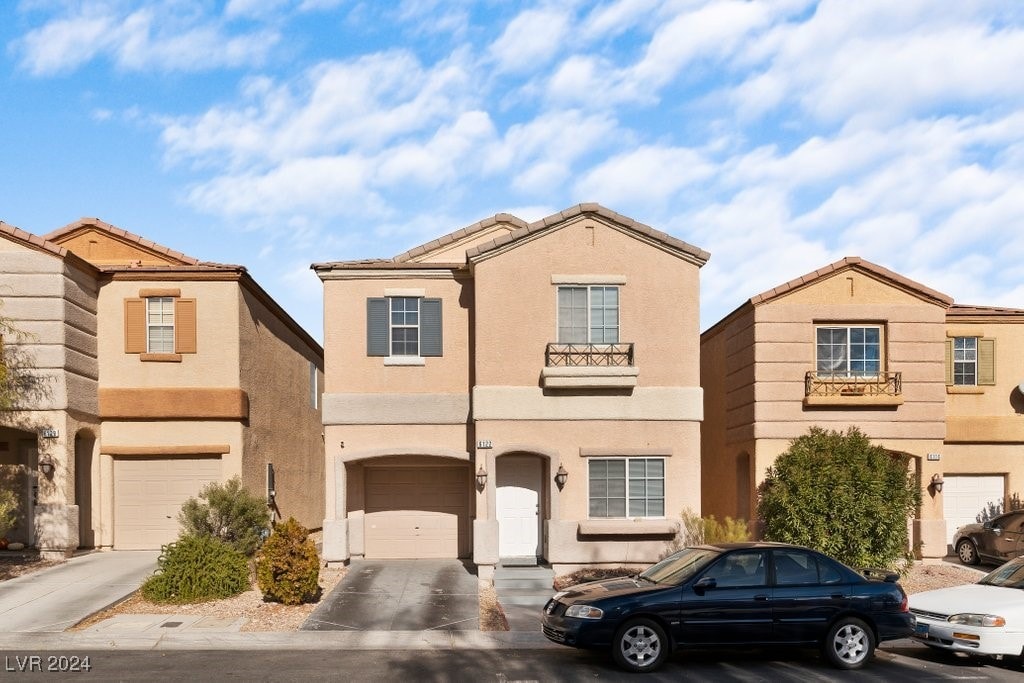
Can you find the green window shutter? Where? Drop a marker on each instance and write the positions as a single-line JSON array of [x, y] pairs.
[[377, 327], [949, 362], [987, 361], [430, 327]]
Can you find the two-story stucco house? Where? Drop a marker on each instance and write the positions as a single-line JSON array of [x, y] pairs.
[[157, 374], [514, 390], [854, 344]]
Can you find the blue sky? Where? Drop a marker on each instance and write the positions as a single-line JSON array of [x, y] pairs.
[[780, 135]]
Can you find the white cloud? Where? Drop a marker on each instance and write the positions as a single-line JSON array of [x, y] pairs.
[[649, 173], [530, 40]]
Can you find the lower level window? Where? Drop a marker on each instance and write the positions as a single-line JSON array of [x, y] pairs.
[[627, 487]]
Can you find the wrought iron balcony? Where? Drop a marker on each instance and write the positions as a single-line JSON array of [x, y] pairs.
[[884, 384], [588, 355]]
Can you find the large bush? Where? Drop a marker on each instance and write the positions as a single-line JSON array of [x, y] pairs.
[[288, 567], [227, 512], [841, 495], [195, 569]]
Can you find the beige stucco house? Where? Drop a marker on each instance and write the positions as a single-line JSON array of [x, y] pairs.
[[155, 375], [514, 390], [854, 344]]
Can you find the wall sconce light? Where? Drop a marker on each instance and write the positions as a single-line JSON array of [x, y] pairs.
[[481, 478], [560, 476], [271, 486], [937, 483], [47, 465]]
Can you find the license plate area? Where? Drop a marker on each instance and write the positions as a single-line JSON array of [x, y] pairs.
[[921, 630]]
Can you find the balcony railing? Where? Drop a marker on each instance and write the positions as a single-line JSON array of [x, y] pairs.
[[882, 384], [588, 355]]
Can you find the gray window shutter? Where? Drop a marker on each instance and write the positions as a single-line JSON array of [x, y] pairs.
[[986, 361], [949, 362], [430, 327], [377, 327]]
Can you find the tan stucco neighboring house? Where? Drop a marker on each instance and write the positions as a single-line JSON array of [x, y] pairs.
[[158, 374], [855, 344], [514, 391]]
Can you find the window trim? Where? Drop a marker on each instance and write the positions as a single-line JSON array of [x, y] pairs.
[[882, 338], [167, 306], [973, 363], [589, 287], [429, 328], [626, 460]]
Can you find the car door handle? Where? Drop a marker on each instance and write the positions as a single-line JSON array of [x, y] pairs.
[[760, 598]]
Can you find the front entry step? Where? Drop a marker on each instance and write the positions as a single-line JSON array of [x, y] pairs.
[[524, 561]]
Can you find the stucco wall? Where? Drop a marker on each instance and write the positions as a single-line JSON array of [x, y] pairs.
[[284, 426]]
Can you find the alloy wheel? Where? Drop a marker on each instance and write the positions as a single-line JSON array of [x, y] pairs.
[[852, 644], [640, 646]]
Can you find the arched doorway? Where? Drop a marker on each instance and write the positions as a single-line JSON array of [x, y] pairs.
[[519, 492], [85, 443]]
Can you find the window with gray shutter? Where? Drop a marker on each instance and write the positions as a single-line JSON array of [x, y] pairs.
[[403, 326], [430, 327], [377, 327]]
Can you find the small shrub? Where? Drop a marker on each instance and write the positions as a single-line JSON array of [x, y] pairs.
[[196, 569], [697, 530], [287, 567], [228, 512], [8, 511]]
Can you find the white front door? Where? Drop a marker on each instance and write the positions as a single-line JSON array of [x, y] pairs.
[[518, 504]]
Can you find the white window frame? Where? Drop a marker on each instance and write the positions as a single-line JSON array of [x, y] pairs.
[[392, 326], [164, 314], [965, 361], [589, 310], [849, 345], [626, 491]]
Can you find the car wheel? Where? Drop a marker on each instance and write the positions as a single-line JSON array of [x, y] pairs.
[[966, 551], [640, 646], [849, 644]]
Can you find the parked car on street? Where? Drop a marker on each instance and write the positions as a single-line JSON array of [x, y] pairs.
[[983, 618], [995, 541], [734, 595]]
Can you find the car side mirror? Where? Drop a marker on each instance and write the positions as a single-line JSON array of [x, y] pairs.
[[704, 583]]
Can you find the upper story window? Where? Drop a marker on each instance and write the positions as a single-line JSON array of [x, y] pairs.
[[849, 351], [588, 315], [626, 487], [160, 324], [965, 361], [403, 327]]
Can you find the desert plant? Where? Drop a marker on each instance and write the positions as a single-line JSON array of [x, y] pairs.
[[697, 530], [837, 493], [287, 566], [228, 512], [196, 569]]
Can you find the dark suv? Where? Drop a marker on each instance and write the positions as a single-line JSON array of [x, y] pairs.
[[994, 542]]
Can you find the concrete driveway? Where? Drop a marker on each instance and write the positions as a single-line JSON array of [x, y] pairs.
[[401, 595]]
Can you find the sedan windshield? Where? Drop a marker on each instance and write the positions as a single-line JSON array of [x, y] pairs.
[[677, 568], [1010, 575]]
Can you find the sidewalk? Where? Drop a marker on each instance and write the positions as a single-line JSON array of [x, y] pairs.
[[54, 599]]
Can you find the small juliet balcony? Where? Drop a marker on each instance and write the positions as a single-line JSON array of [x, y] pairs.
[[883, 389], [589, 366]]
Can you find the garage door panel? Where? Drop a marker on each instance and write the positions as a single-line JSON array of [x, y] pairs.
[[417, 512], [966, 498], [149, 493]]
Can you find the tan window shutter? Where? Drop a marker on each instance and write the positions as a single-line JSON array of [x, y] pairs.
[[184, 325], [987, 361], [949, 362], [134, 325]]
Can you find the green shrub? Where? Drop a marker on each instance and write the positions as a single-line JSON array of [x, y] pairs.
[[228, 512], [195, 569], [841, 495], [697, 530], [8, 509], [287, 567]]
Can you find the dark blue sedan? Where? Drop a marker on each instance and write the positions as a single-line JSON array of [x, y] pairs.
[[733, 595]]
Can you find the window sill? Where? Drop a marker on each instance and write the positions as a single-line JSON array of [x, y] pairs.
[[589, 377], [964, 389], [853, 400], [405, 360], [160, 357], [628, 527]]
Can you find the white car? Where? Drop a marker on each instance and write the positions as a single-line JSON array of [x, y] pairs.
[[984, 618]]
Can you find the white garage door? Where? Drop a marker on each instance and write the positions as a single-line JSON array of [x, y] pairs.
[[965, 498], [417, 512], [149, 493]]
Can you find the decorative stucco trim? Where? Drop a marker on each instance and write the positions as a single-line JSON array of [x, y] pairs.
[[964, 389], [628, 527], [196, 449], [160, 357], [405, 291], [684, 404], [625, 452], [952, 332], [162, 403], [386, 409], [588, 279], [397, 361], [985, 429], [159, 291], [580, 377], [374, 453], [853, 401]]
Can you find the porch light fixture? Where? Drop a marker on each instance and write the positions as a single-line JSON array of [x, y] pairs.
[[47, 465], [937, 483], [481, 478], [560, 476]]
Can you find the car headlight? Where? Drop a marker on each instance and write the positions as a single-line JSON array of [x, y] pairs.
[[967, 619], [584, 612]]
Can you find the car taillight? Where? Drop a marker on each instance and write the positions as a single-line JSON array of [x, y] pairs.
[[905, 604]]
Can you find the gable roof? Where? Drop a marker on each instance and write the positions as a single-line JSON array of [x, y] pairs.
[[43, 245], [168, 256], [521, 230], [966, 313], [855, 263]]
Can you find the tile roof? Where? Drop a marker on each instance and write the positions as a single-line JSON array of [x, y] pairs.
[[123, 234], [42, 244]]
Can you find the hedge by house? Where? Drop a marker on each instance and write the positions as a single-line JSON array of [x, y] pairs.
[[840, 494]]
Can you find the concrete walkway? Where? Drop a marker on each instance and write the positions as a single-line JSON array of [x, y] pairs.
[[57, 598]]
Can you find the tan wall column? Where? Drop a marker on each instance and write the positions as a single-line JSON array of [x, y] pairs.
[[335, 539]]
